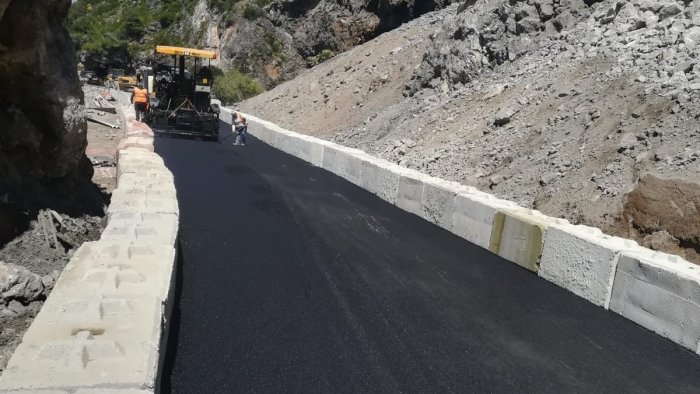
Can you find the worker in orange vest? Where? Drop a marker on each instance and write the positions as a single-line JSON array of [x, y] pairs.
[[140, 99]]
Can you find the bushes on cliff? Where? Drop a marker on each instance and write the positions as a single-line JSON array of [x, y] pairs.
[[234, 86]]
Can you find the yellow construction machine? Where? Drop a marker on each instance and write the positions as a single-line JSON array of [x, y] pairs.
[[180, 92]]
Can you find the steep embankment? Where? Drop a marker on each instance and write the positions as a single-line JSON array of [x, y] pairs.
[[561, 106]]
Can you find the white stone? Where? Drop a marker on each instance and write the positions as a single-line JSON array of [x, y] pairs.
[[518, 235], [88, 342], [381, 178], [473, 216], [438, 201], [116, 269], [344, 162], [660, 292], [582, 260], [410, 192], [142, 228]]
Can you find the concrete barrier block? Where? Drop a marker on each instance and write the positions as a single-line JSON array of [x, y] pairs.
[[261, 132], [660, 292], [312, 149], [226, 115], [438, 201], [88, 342], [381, 177], [582, 260], [142, 228], [410, 192], [136, 142], [136, 200], [518, 235], [344, 162], [474, 213], [116, 269], [146, 181]]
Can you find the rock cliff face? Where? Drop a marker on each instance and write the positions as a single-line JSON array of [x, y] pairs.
[[43, 130]]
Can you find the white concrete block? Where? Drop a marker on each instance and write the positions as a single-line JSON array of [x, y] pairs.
[[410, 192], [116, 269], [149, 201], [226, 115], [381, 177], [151, 181], [438, 200], [473, 215], [344, 162], [660, 292], [582, 260], [88, 343], [518, 235], [311, 150], [142, 228]]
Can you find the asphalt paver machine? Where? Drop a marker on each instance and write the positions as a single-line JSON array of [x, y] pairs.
[[180, 93]]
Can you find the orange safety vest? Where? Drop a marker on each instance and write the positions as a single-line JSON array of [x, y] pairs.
[[140, 96]]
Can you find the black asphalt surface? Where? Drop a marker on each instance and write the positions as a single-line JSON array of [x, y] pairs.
[[295, 280]]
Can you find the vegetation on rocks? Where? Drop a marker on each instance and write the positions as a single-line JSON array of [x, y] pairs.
[[235, 86]]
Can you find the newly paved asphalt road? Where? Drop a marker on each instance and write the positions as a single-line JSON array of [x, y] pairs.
[[294, 280]]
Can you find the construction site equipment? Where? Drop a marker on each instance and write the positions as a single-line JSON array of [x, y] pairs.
[[180, 99]]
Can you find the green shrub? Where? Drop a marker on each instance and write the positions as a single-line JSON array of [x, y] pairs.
[[324, 55], [252, 12], [235, 86]]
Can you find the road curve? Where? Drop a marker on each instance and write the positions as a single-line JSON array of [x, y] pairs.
[[295, 280]]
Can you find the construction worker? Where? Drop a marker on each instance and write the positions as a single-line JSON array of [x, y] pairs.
[[240, 127], [140, 99]]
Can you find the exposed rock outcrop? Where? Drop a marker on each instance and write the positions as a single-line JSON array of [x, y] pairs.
[[43, 138], [668, 207]]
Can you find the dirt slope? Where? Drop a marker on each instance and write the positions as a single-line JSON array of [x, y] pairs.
[[563, 110]]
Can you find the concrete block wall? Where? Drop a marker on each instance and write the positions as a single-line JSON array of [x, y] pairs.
[[104, 326], [655, 290]]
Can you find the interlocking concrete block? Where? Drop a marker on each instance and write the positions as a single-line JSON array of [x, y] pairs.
[[518, 235], [344, 162], [136, 142], [142, 201], [474, 213], [660, 292], [582, 260], [381, 177], [89, 343], [146, 181], [142, 228], [410, 192], [116, 269], [438, 200]]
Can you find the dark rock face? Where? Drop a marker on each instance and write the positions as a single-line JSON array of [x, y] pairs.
[[43, 129]]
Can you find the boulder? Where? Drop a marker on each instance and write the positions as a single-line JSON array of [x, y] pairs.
[[661, 204], [20, 284], [43, 139]]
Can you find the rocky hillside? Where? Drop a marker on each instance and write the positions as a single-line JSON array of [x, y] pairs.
[[42, 143], [271, 40], [584, 110]]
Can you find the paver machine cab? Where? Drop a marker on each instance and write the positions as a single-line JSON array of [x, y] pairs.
[[180, 100]]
